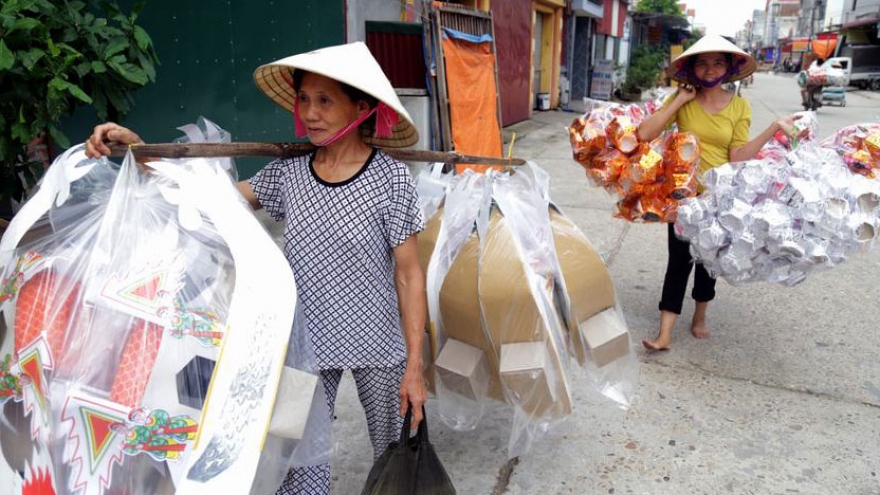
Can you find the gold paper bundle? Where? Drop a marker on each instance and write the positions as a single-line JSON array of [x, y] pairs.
[[682, 154], [623, 134], [649, 177], [587, 140], [646, 164]]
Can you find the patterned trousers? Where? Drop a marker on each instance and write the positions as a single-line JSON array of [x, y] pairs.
[[378, 390]]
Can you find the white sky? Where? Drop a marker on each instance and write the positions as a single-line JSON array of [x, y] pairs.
[[724, 17]]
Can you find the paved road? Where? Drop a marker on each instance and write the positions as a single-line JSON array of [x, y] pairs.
[[783, 398]]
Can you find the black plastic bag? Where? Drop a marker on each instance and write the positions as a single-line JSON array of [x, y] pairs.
[[409, 467]]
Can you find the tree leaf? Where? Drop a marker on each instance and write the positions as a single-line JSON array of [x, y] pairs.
[[7, 58], [98, 67], [30, 58], [24, 24], [10, 7], [115, 47], [142, 38], [64, 86], [130, 72], [52, 48], [58, 137]]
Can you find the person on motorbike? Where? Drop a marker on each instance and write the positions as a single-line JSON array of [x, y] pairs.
[[811, 93]]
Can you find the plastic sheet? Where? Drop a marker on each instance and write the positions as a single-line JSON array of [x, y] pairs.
[[778, 219], [148, 322], [512, 329], [649, 178]]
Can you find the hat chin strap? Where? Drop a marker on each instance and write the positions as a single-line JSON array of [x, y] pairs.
[[386, 119], [711, 83]]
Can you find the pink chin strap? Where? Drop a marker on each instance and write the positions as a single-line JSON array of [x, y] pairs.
[[386, 119]]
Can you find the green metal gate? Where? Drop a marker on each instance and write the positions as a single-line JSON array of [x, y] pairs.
[[208, 50]]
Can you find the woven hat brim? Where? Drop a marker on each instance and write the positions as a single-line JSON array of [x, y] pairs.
[[276, 81], [712, 44]]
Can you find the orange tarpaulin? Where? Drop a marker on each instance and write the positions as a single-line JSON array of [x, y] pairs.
[[473, 111], [824, 48]]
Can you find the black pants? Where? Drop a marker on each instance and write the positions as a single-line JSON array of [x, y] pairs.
[[678, 270]]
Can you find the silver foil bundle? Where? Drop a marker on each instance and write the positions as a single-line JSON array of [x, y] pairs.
[[779, 218]]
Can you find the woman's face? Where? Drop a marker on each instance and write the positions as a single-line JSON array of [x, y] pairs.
[[324, 108], [710, 66]]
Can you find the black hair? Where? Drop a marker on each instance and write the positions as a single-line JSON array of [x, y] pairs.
[[368, 126]]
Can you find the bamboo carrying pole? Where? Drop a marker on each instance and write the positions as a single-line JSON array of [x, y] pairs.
[[288, 150]]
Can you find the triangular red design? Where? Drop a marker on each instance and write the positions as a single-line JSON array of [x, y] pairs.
[[148, 289], [99, 431], [31, 368]]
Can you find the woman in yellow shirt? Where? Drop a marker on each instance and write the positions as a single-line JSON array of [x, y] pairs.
[[721, 121]]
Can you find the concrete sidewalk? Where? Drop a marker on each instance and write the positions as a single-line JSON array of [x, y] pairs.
[[784, 398]]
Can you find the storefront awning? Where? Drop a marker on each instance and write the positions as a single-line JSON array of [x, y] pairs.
[[860, 22], [800, 44]]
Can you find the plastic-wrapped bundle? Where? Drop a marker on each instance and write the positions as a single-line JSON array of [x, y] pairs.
[[777, 221], [118, 307], [825, 77], [649, 178], [860, 146], [507, 320]]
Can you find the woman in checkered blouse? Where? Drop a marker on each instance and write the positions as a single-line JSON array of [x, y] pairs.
[[351, 218]]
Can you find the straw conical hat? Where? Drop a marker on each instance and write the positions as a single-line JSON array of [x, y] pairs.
[[713, 44], [352, 64]]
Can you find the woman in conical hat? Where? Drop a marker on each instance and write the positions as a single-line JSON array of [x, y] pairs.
[[352, 216], [721, 121]]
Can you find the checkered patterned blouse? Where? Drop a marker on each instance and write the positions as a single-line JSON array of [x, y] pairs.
[[339, 239]]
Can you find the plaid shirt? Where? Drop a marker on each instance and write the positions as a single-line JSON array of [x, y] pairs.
[[338, 240]]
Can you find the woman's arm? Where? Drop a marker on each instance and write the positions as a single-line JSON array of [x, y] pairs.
[[751, 148], [244, 187], [410, 283], [651, 127]]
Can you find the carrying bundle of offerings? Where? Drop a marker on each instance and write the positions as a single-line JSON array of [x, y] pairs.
[[516, 295], [650, 178], [146, 317], [822, 77], [778, 219]]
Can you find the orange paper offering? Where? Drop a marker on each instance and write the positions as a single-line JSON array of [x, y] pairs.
[[649, 178]]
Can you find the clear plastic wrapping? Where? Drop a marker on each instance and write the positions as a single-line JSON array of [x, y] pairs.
[[512, 329], [778, 219], [148, 326]]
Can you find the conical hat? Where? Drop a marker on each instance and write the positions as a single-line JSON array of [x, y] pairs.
[[352, 64], [712, 43]]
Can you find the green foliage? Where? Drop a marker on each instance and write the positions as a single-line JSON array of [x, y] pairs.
[[668, 7], [644, 68], [55, 55]]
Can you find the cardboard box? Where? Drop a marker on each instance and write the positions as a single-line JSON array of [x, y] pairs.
[[528, 377], [606, 336], [462, 369], [460, 309], [515, 311], [589, 286], [427, 240]]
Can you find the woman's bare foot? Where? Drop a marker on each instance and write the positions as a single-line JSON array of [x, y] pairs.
[[664, 338], [660, 344], [698, 324], [699, 330]]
